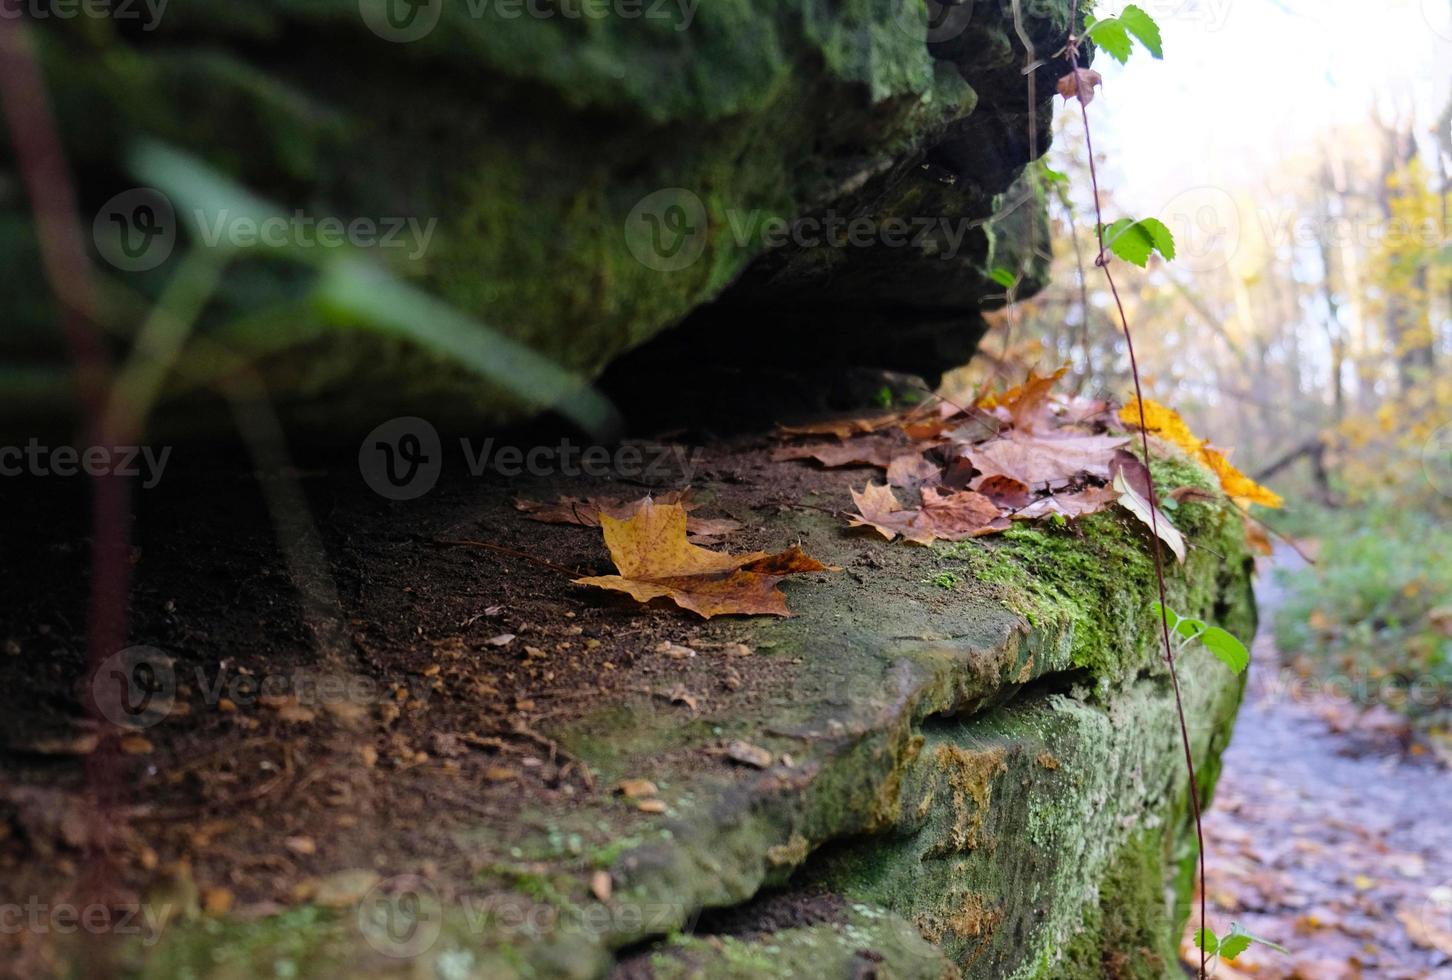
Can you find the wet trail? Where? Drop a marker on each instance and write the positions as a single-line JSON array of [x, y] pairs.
[[1326, 835]]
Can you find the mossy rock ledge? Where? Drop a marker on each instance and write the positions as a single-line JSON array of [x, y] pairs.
[[967, 765], [594, 181]]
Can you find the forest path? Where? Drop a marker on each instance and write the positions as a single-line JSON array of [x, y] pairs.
[[1326, 836]]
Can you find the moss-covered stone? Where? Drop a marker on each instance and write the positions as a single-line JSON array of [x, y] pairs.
[[535, 142], [997, 765]]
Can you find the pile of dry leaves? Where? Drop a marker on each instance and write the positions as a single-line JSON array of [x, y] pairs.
[[951, 473], [1023, 454]]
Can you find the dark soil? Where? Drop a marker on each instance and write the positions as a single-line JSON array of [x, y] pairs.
[[262, 781]]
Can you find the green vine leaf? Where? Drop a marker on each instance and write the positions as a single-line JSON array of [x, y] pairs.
[[1143, 26], [1135, 241], [1227, 649], [1004, 278], [1116, 35]]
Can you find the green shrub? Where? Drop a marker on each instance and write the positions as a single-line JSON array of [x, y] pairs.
[[1376, 609]]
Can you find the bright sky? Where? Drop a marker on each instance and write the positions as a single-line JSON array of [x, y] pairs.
[[1246, 84]]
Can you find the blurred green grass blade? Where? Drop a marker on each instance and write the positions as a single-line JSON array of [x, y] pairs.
[[358, 289]]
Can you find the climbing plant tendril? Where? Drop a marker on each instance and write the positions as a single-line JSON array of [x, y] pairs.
[[1102, 261]]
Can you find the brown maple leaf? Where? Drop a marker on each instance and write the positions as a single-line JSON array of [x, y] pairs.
[[1006, 492], [1070, 505], [912, 470], [873, 450], [655, 561], [1080, 83], [1027, 404], [1045, 460], [943, 517]]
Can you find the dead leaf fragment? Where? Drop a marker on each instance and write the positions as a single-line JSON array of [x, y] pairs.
[[1040, 460], [749, 755], [1025, 405], [637, 788], [1070, 505], [601, 886], [874, 450], [656, 561], [651, 806], [1080, 83], [1150, 516], [943, 516]]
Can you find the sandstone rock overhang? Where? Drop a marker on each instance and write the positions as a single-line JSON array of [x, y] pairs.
[[577, 184]]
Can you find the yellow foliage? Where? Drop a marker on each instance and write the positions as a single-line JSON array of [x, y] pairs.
[[1166, 423]]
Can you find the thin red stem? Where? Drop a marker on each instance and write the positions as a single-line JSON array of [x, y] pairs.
[[1103, 263]]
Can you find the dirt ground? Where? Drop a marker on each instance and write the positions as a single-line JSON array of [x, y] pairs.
[[348, 700]]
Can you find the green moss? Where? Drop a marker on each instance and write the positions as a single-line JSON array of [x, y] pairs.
[[1094, 579]]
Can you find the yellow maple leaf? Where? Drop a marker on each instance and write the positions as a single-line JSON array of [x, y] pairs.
[[1239, 487], [655, 561], [1166, 423]]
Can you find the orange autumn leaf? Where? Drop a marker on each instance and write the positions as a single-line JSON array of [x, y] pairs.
[[1167, 424], [1026, 402], [1239, 487], [655, 561]]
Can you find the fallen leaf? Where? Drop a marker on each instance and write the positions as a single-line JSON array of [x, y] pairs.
[[601, 886], [1152, 518], [1070, 505], [943, 517], [1045, 460], [656, 561], [651, 806], [1424, 932], [1006, 492], [748, 754], [874, 450], [1025, 405], [217, 901], [301, 845], [1239, 487], [679, 695], [1167, 424], [913, 470], [955, 516], [136, 745], [345, 888], [1080, 83], [637, 788], [502, 640]]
